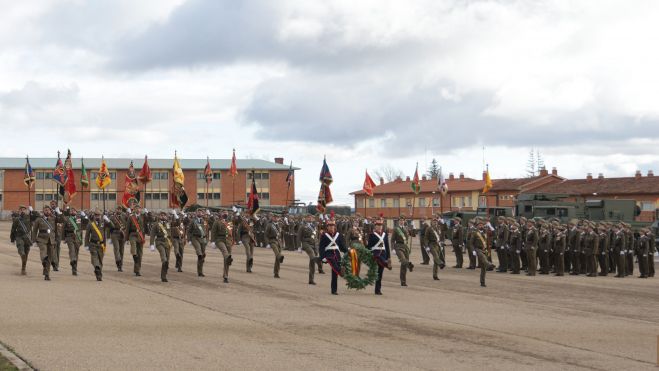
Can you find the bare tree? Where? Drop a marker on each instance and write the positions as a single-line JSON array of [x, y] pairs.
[[388, 173]]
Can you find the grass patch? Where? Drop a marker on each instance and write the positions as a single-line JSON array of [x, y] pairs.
[[5, 365]]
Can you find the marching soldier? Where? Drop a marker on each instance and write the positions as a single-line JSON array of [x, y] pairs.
[[221, 235], [272, 237], [652, 250], [136, 230], [531, 246], [160, 240], [95, 243], [73, 237], [470, 248], [457, 237], [43, 230], [331, 246], [59, 229], [422, 241], [307, 240], [117, 227], [21, 234], [248, 240], [433, 239], [480, 249], [177, 232], [378, 243], [400, 240], [197, 232]]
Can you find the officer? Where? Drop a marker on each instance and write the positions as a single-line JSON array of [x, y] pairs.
[[221, 236], [21, 234], [43, 230], [400, 241], [331, 245], [95, 243], [306, 238], [457, 238], [272, 238], [136, 236], [197, 231], [160, 240]]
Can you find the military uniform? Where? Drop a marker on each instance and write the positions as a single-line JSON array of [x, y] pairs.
[[652, 250], [272, 238], [423, 244], [43, 231], [378, 243], [501, 243], [573, 243], [160, 240], [21, 234], [331, 246], [95, 242], [307, 240], [177, 232], [643, 255], [629, 255], [515, 243], [619, 251], [470, 247], [559, 244], [136, 237], [400, 241], [603, 255], [197, 232], [73, 238], [434, 239], [221, 235], [480, 249], [457, 237], [543, 249], [247, 239], [531, 246], [117, 230]]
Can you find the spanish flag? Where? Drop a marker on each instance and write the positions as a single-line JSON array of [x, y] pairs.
[[103, 177], [488, 181]]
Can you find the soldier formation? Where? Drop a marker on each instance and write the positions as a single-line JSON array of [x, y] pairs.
[[534, 246]]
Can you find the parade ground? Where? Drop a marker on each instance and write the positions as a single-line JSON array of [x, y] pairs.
[[259, 322]]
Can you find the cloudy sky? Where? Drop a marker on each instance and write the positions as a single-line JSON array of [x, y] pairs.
[[368, 83]]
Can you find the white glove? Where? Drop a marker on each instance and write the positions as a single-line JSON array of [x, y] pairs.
[[268, 246], [146, 211], [105, 217], [208, 212], [427, 249], [152, 247], [473, 253], [128, 210], [30, 208], [111, 242], [213, 245], [489, 226], [87, 248], [82, 214], [57, 210], [240, 242], [324, 260], [299, 249]]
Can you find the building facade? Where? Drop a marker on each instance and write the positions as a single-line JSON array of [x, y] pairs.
[[396, 198], [223, 190]]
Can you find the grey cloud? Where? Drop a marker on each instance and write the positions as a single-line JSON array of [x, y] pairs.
[[34, 95], [348, 109]]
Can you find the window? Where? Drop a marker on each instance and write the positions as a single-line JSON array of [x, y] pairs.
[[396, 202], [216, 196], [528, 208], [111, 196], [371, 202], [113, 175], [155, 196], [422, 202], [647, 206], [201, 176], [383, 202], [49, 175], [562, 212], [39, 196], [164, 196], [265, 176], [200, 196], [41, 175], [265, 196], [217, 175], [48, 197], [435, 202], [551, 211]]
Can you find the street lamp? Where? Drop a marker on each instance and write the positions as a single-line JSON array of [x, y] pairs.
[[432, 204]]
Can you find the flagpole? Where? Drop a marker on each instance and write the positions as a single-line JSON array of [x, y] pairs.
[[29, 186]]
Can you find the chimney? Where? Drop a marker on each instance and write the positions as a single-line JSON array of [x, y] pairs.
[[407, 178], [589, 177], [423, 177], [279, 160], [544, 172], [638, 174], [554, 171], [650, 173], [462, 176], [450, 176], [381, 180], [398, 179], [484, 175], [600, 176]]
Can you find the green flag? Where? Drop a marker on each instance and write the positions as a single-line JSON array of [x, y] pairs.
[[84, 179]]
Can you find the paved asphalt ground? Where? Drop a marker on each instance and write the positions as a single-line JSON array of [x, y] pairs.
[[258, 322]]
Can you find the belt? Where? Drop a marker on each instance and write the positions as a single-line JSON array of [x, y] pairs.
[[43, 231], [332, 248]]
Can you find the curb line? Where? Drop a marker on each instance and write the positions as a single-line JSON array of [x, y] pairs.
[[17, 361]]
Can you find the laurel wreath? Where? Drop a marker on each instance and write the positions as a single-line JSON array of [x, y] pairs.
[[365, 256]]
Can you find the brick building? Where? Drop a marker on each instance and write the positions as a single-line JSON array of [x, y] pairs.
[[223, 190], [643, 189], [465, 194]]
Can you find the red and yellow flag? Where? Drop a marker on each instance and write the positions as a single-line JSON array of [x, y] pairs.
[[103, 177], [369, 185], [234, 168], [488, 181]]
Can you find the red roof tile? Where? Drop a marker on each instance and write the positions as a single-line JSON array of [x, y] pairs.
[[403, 186], [522, 184], [604, 186]]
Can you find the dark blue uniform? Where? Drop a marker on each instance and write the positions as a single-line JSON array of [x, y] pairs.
[[330, 249], [381, 253]]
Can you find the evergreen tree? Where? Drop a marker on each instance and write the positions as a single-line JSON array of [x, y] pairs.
[[530, 164], [433, 169]]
